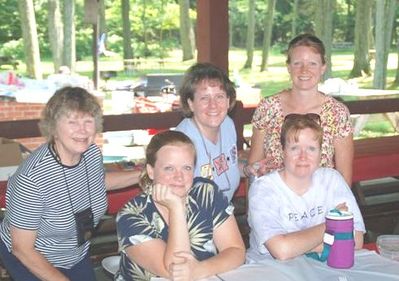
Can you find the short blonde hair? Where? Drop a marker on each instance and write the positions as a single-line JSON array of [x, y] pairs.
[[295, 123]]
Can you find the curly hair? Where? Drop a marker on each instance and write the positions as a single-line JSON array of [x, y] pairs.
[[65, 101]]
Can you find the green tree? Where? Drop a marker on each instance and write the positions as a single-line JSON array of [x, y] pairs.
[[362, 26], [127, 34], [69, 51], [186, 30], [29, 32], [324, 28], [55, 32], [267, 33], [295, 4], [250, 34], [385, 12]]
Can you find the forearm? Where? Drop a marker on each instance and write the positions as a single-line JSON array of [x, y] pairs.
[[39, 266], [178, 238], [344, 153], [118, 180], [358, 240], [294, 244], [226, 260], [256, 153]]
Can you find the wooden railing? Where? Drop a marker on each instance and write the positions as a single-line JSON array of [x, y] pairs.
[[241, 116]]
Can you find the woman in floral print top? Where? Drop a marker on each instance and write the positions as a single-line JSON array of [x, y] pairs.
[[178, 228], [306, 65]]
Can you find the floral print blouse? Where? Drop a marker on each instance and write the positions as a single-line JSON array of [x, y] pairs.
[[139, 221], [335, 121]]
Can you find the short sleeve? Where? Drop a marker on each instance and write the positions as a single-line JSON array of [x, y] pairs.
[[340, 116], [138, 222], [211, 198], [24, 192], [263, 213]]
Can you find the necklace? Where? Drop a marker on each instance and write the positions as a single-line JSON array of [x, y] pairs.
[[221, 159], [53, 149]]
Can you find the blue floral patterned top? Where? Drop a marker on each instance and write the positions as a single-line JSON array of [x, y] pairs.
[[139, 221]]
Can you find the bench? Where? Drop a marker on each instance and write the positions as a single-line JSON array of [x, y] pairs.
[[7, 60]]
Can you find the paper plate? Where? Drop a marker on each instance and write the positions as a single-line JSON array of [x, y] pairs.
[[111, 264]]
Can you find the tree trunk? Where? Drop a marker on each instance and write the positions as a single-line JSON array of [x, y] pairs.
[[55, 30], [102, 19], [362, 27], [396, 81], [69, 55], [250, 34], [29, 33], [324, 28], [127, 34], [385, 14], [144, 23], [186, 30], [294, 17], [267, 35]]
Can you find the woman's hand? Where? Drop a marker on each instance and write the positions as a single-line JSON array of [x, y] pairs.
[[183, 267], [259, 168], [342, 207], [164, 195]]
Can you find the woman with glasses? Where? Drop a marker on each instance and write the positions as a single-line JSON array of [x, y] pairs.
[[287, 208], [206, 96], [306, 64], [57, 196]]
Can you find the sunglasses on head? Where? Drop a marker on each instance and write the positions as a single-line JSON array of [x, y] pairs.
[[310, 116]]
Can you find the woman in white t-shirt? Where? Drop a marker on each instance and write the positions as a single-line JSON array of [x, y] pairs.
[[287, 208]]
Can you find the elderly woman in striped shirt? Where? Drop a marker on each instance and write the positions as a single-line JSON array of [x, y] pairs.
[[58, 195]]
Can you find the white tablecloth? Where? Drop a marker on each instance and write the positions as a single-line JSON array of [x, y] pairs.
[[369, 266]]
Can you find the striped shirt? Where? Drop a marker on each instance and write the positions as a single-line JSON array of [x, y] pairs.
[[43, 196]]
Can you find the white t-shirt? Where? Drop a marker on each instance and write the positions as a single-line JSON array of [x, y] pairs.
[[275, 209]]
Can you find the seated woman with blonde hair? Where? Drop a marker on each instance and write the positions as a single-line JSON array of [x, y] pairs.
[[180, 228]]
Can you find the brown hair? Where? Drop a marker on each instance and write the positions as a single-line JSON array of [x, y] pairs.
[[295, 123], [307, 40], [157, 142], [65, 101], [201, 72]]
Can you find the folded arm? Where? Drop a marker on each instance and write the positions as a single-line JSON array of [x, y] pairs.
[[290, 245], [231, 249]]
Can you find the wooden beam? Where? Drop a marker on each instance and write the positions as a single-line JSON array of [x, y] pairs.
[[213, 32], [15, 129]]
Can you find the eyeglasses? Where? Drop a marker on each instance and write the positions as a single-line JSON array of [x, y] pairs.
[[309, 116]]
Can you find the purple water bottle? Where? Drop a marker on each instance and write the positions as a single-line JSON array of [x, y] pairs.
[[342, 251]]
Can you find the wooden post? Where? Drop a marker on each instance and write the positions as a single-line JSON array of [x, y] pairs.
[[92, 17], [213, 32]]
